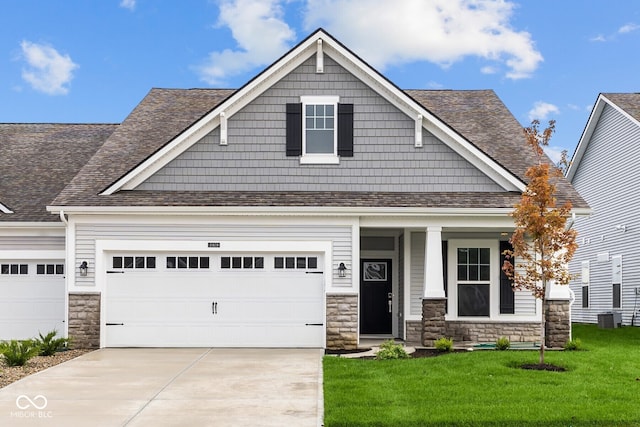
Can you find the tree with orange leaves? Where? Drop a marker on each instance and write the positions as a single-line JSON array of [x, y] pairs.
[[542, 244]]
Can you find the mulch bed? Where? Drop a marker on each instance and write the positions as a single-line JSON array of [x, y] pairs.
[[543, 367]]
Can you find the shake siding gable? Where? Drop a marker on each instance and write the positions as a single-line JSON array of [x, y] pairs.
[[384, 156], [606, 178]]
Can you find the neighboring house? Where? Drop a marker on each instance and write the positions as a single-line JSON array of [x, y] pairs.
[[36, 162], [316, 204], [604, 171]]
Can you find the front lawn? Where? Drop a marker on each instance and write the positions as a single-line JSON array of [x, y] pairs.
[[601, 387]]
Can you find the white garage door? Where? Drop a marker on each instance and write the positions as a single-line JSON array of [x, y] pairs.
[[204, 300], [31, 298]]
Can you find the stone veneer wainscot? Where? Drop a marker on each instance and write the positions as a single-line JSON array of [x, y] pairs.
[[84, 320], [342, 321]]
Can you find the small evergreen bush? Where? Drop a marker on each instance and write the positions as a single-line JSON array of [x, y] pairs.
[[573, 345], [503, 343], [444, 345], [49, 344], [17, 353], [391, 350]]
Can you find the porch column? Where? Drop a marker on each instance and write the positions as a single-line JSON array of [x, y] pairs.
[[434, 300], [433, 278]]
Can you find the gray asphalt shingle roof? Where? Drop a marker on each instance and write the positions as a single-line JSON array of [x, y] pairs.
[[38, 160], [629, 102], [479, 116]]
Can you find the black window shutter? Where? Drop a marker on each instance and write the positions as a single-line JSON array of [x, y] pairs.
[[345, 130], [294, 129], [507, 297]]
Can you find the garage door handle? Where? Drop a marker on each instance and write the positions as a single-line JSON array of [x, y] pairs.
[[214, 308], [114, 324], [114, 272], [314, 324], [313, 272]]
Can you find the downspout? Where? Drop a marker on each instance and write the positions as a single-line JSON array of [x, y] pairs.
[[63, 219]]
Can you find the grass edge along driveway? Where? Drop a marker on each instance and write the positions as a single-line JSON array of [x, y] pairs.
[[486, 388]]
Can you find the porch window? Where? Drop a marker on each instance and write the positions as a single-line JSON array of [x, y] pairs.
[[474, 282]]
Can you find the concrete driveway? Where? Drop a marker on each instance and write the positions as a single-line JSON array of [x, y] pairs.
[[172, 387]]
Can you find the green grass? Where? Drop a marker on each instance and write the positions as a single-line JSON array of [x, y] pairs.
[[484, 388]]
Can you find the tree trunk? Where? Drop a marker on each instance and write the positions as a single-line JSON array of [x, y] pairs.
[[543, 324]]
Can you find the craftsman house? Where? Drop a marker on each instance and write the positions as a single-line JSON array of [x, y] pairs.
[[316, 204], [604, 167]]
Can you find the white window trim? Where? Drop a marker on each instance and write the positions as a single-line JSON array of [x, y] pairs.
[[319, 158], [494, 290]]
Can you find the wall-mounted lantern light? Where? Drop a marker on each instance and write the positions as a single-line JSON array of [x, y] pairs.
[[83, 268], [342, 270]]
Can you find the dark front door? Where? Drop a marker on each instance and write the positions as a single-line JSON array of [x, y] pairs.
[[375, 296]]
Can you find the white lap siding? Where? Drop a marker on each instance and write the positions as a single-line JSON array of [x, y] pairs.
[[339, 235]]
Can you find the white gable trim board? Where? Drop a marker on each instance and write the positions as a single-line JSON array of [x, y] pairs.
[[222, 113], [590, 128], [5, 209]]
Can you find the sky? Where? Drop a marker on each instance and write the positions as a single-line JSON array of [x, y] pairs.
[[82, 61]]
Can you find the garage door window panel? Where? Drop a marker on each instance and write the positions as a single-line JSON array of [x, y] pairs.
[[242, 263], [133, 262], [50, 269], [21, 269], [187, 262], [295, 263]]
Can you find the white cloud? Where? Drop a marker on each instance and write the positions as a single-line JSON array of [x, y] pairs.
[[625, 29], [260, 31], [628, 28], [488, 70], [441, 31], [554, 153], [434, 85], [542, 110], [128, 4], [47, 70]]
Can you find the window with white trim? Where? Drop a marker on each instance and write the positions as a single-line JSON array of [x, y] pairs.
[[319, 130], [474, 282], [585, 284], [319, 138]]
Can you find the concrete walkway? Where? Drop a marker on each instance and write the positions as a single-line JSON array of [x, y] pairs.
[[172, 387]]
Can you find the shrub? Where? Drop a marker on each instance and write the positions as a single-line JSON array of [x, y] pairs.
[[444, 345], [390, 350], [503, 343], [49, 344], [17, 353], [573, 345]]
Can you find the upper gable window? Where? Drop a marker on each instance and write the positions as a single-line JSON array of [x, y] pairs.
[[320, 129], [319, 139]]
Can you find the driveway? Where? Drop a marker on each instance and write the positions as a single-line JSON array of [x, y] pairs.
[[172, 387]]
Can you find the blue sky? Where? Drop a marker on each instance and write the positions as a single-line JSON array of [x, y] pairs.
[[80, 61]]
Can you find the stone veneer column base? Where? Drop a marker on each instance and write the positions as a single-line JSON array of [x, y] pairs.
[[558, 327], [342, 321], [433, 324], [84, 320]]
